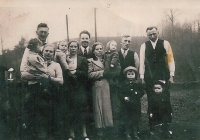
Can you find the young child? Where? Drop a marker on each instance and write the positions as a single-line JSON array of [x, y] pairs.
[[61, 54], [36, 62], [129, 94], [111, 62], [160, 110]]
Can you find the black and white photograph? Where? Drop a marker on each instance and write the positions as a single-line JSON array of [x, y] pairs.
[[100, 70]]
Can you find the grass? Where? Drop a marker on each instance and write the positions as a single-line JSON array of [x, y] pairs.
[[185, 100]]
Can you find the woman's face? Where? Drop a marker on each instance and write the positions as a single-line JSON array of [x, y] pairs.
[[48, 52], [73, 47], [98, 51]]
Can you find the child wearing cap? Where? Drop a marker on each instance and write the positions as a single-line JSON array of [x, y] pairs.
[[130, 93], [160, 110], [111, 60]]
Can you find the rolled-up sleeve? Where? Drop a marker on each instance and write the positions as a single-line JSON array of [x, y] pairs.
[[137, 60], [170, 57], [23, 65], [142, 57]]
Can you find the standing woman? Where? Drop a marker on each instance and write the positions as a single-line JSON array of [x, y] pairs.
[[75, 80], [56, 80], [100, 90], [38, 104]]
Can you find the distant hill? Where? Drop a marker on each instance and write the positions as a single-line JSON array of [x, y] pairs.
[[183, 72]]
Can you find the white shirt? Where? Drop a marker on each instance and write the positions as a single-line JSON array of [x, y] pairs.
[[154, 43], [170, 58]]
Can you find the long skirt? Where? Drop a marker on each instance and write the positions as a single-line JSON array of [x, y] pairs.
[[102, 104]]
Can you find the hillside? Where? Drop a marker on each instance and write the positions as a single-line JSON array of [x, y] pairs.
[[184, 71]]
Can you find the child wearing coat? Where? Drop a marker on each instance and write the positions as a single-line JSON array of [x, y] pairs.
[[36, 63], [160, 111], [130, 93], [62, 54], [111, 61]]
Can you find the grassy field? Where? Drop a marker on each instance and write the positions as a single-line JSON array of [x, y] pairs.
[[185, 100]]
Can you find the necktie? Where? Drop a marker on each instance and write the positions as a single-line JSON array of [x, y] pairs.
[[85, 52], [124, 53]]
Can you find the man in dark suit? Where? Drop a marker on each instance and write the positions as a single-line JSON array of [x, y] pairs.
[[126, 56], [85, 50]]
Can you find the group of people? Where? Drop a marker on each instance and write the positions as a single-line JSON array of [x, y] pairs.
[[71, 82]]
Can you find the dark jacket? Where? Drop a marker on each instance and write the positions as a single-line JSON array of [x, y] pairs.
[[111, 58], [134, 91], [89, 54], [160, 107]]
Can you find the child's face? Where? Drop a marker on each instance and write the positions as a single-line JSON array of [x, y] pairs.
[[38, 49], [130, 75], [113, 46], [62, 46], [158, 89]]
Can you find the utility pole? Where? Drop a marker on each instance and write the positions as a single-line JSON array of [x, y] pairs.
[[67, 28], [1, 40], [95, 24]]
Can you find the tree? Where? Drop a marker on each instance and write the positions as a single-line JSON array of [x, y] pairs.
[[171, 16]]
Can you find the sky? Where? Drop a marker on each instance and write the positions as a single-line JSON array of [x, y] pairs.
[[114, 17]]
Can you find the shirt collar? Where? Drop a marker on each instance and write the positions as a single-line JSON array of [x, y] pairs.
[[154, 42], [42, 42], [122, 50], [87, 48]]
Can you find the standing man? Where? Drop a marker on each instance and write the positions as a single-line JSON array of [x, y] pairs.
[[156, 63], [126, 56], [85, 50], [33, 100], [42, 34]]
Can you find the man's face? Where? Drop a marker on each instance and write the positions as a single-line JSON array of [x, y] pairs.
[[158, 89], [152, 34], [42, 33], [84, 39], [126, 42]]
